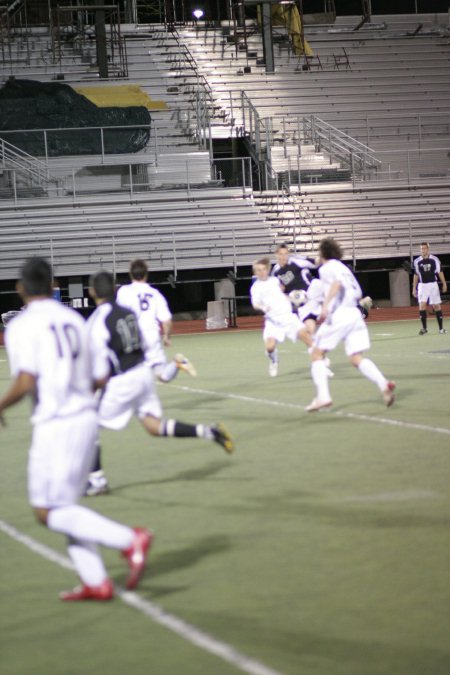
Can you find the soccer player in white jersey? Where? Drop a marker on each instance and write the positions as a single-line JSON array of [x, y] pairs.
[[341, 322], [153, 314], [427, 269], [280, 322], [114, 333], [47, 347]]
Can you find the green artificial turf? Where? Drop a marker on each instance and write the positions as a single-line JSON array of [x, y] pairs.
[[322, 547]]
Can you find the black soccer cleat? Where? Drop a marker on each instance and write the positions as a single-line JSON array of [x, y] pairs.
[[223, 438]]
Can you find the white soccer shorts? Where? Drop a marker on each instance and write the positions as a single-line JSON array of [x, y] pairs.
[[60, 459], [155, 355], [345, 325], [128, 394], [429, 293], [287, 326]]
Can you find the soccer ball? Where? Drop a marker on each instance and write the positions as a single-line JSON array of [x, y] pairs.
[[297, 298]]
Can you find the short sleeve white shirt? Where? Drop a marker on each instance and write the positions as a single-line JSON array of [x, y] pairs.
[[267, 294], [49, 341], [149, 305], [350, 290]]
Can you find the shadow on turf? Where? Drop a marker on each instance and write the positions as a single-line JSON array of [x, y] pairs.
[[189, 556], [199, 474], [355, 516]]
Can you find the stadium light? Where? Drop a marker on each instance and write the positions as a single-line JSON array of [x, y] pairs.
[[198, 13]]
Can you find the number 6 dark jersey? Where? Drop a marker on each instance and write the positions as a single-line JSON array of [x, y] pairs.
[[114, 333]]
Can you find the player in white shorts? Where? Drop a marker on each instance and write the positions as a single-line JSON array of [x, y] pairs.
[[280, 322], [130, 391], [154, 315], [427, 270], [341, 322], [49, 359]]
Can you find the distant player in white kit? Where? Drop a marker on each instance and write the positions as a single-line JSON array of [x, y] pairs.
[[153, 314], [341, 322], [279, 321], [47, 346]]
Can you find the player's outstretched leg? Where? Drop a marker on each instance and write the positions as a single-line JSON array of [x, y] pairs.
[[176, 429]]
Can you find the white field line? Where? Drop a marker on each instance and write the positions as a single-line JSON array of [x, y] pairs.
[[407, 495], [189, 633], [297, 406]]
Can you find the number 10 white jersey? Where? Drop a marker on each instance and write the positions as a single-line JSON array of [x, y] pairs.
[[49, 341]]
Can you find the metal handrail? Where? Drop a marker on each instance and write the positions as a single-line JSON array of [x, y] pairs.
[[14, 158], [204, 97], [258, 130], [339, 144]]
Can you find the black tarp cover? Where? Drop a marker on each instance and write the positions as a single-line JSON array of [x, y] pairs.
[[27, 104]]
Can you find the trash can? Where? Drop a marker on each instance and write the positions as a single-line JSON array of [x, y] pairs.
[[399, 286]]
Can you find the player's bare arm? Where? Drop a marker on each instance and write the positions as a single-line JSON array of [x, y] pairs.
[[414, 288], [333, 291], [443, 282], [24, 384], [167, 331]]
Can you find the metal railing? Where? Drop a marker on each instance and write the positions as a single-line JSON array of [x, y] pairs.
[[15, 159], [257, 131], [413, 166], [340, 146], [204, 105], [134, 180], [418, 128], [47, 141]]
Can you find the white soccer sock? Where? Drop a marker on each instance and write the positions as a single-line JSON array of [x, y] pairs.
[[370, 370], [88, 526], [169, 372], [87, 561], [273, 356], [320, 378]]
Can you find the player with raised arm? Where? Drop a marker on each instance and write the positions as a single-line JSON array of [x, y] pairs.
[[114, 333], [47, 346], [341, 322], [427, 269]]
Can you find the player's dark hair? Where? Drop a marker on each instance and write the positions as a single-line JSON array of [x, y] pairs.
[[103, 285], [425, 243], [138, 269], [282, 247], [36, 276], [329, 249]]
